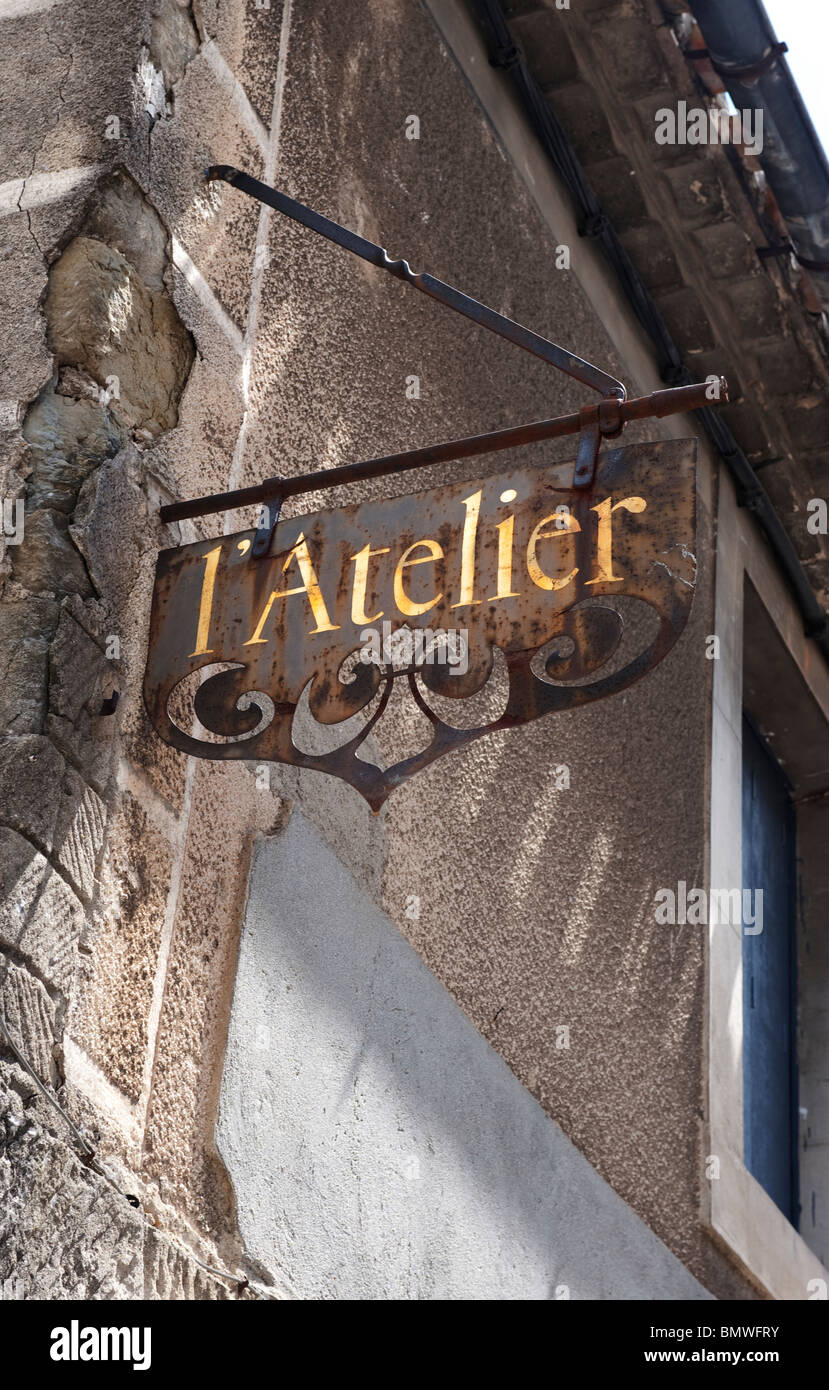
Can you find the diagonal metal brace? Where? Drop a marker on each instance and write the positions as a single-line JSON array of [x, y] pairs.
[[462, 303]]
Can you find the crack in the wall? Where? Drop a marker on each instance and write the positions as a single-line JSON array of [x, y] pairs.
[[70, 53]]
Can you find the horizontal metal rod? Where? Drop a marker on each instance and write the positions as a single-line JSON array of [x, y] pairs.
[[462, 303], [677, 400]]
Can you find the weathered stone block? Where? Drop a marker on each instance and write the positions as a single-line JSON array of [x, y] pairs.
[[109, 528], [48, 802], [749, 429], [111, 1017], [47, 562], [123, 219], [25, 361], [648, 109], [697, 192], [65, 1233], [40, 916], [26, 629], [31, 776], [687, 319], [30, 1018], [619, 191], [80, 680], [649, 248], [174, 39], [585, 122], [79, 832], [543, 39], [727, 250], [784, 367], [631, 53], [69, 436], [755, 302], [809, 423]]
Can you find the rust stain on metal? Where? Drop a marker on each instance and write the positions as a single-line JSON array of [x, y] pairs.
[[514, 562]]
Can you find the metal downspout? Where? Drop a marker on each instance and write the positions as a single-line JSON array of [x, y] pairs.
[[739, 36]]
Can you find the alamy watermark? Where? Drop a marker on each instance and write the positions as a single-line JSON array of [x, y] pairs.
[[12, 514], [696, 907], [818, 522], [700, 125], [408, 647], [76, 1343]]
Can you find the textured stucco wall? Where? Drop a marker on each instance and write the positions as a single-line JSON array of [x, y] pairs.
[[283, 355]]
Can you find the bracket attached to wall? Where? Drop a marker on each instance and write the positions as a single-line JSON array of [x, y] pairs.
[[593, 423]]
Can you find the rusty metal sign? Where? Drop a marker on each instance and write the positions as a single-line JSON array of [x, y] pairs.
[[426, 590]]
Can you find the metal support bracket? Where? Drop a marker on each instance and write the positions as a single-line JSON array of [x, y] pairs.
[[588, 452], [748, 73], [593, 423], [604, 421], [269, 517], [675, 401]]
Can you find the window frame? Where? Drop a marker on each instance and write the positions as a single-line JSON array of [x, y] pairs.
[[735, 1208]]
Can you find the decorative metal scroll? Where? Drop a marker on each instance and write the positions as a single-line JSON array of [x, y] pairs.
[[513, 563]]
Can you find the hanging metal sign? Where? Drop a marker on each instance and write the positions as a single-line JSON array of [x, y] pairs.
[[333, 607], [424, 588]]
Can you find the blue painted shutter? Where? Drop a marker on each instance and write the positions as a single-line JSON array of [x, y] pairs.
[[769, 963]]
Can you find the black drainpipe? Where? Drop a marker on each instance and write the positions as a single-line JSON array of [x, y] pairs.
[[743, 47], [594, 223]]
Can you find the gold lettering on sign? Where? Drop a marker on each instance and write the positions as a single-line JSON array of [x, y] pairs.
[[537, 574], [470, 533], [401, 598], [359, 616], [505, 531], [309, 586], [208, 584], [605, 541], [557, 525]]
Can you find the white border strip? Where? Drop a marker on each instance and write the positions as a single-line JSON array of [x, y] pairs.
[[203, 292], [735, 1206], [239, 99]]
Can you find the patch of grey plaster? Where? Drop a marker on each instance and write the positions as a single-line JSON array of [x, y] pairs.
[[379, 1148]]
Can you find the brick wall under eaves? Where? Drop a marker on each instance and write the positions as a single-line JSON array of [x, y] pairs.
[[691, 218]]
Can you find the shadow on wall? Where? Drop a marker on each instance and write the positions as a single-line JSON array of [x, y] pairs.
[[378, 1146]]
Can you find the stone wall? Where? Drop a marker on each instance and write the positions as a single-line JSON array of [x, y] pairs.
[[105, 397]]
